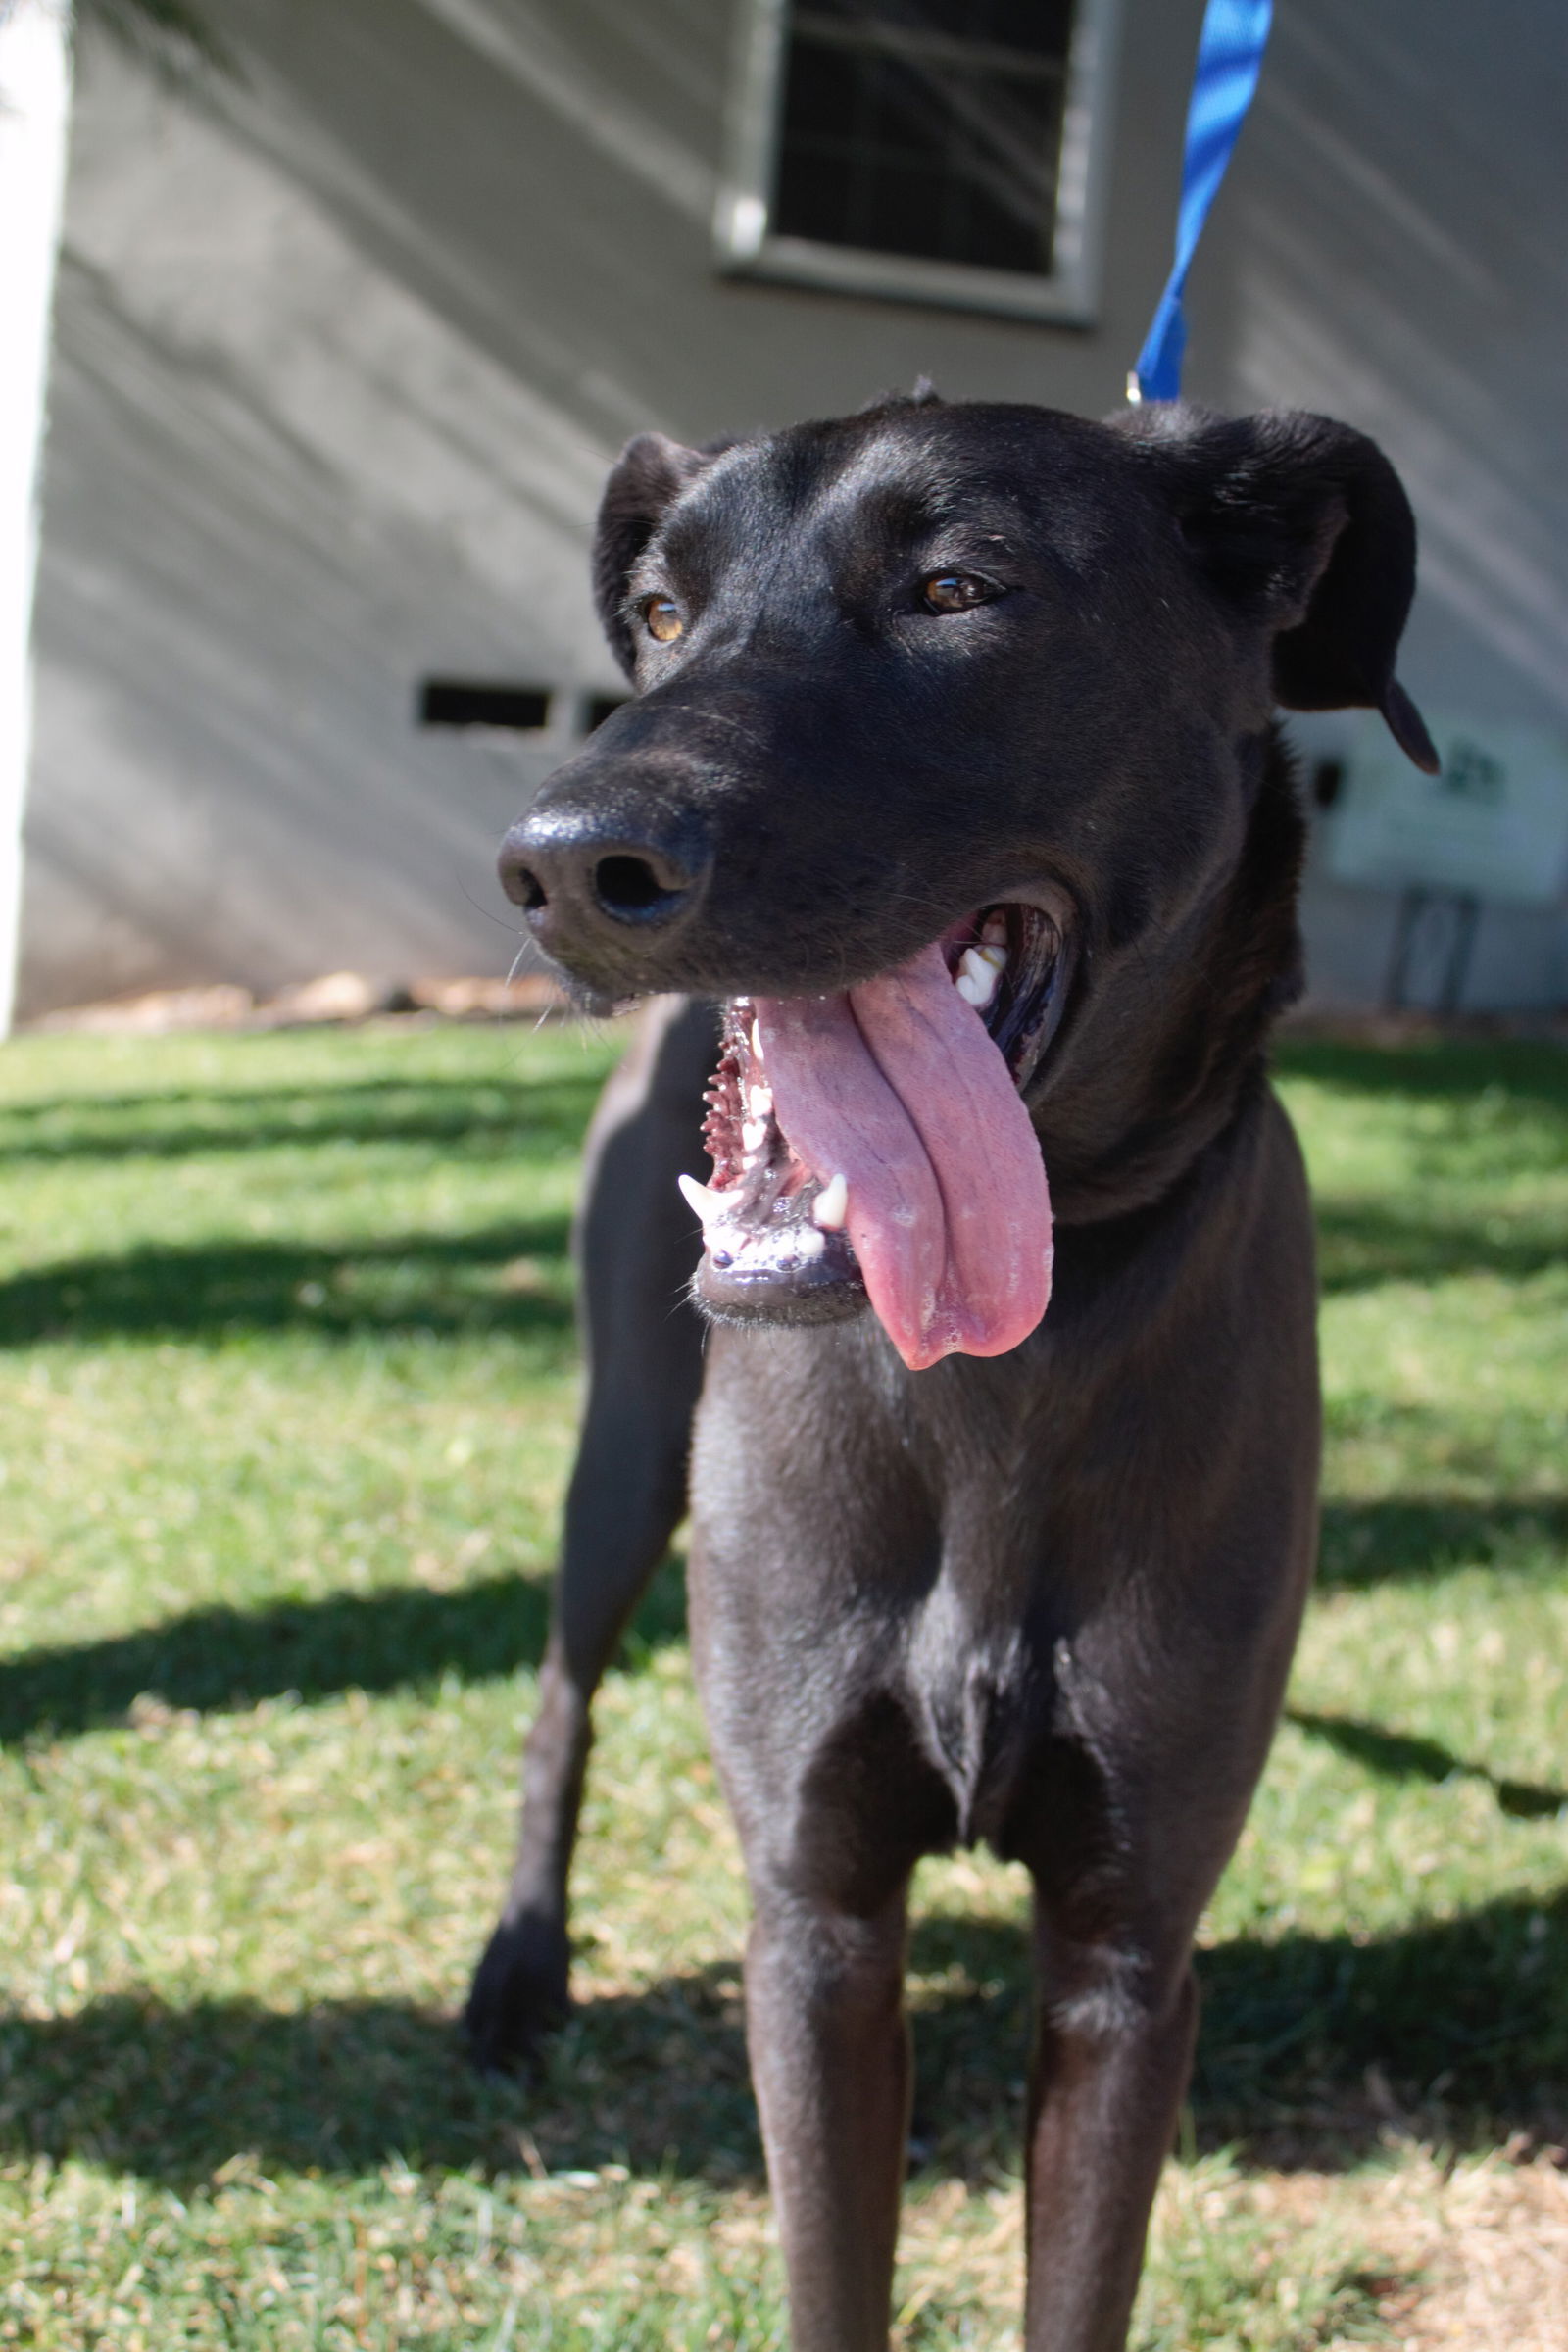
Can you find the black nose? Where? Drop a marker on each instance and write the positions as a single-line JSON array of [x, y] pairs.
[[573, 871]]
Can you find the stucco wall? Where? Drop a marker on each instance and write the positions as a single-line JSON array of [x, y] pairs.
[[342, 351]]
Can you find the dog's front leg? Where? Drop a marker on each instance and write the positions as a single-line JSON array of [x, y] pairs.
[[830, 2062], [1113, 2049], [637, 1245], [810, 1534], [1130, 1812]]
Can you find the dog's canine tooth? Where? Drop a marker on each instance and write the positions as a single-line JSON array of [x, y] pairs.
[[709, 1204], [832, 1205], [759, 1102], [992, 951]]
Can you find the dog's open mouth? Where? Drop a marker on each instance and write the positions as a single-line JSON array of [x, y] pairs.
[[874, 1144]]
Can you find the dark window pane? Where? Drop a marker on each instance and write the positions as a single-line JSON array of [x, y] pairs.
[[1006, 139], [906, 111], [999, 238], [814, 193], [893, 147], [1043, 27], [820, 95], [1035, 28], [904, 209]]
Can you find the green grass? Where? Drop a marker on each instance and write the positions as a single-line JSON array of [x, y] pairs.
[[287, 1399]]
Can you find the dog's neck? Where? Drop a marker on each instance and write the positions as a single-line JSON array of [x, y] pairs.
[[1174, 1043]]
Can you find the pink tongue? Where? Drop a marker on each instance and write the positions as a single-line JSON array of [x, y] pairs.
[[898, 1086]]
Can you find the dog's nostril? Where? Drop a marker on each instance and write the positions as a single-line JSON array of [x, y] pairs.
[[567, 868], [625, 885]]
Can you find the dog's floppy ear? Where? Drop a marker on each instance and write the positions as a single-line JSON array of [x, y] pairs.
[[1306, 525], [647, 479]]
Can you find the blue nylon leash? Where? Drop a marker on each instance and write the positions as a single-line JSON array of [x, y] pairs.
[[1229, 56]]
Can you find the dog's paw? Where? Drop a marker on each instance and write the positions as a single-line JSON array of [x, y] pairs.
[[518, 1995]]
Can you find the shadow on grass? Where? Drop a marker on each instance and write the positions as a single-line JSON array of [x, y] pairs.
[[1464, 2017], [493, 1114], [402, 1638], [1362, 1245], [456, 1282], [1405, 1536], [422, 1108], [495, 1277], [657, 2081], [1532, 1072], [1460, 2020], [1467, 2013], [1508, 1096], [1397, 1757]]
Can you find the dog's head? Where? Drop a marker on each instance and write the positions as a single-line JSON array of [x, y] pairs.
[[953, 773]]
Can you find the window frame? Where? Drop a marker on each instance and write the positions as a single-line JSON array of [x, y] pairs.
[[1068, 296]]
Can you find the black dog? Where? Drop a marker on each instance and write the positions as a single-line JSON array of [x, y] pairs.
[[954, 778]]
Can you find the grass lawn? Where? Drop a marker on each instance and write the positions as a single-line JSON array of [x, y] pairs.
[[286, 1400]]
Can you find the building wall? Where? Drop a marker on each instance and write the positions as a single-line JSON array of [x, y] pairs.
[[343, 349]]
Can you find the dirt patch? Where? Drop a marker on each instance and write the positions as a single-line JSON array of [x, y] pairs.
[[1393, 1031], [1473, 2254], [333, 997], [1485, 2248]]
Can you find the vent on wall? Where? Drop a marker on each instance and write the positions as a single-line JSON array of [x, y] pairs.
[[482, 702], [1328, 782], [598, 708]]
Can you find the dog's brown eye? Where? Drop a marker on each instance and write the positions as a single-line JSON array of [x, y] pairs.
[[661, 617], [955, 592]]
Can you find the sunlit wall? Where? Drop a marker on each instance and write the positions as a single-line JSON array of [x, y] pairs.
[[344, 344]]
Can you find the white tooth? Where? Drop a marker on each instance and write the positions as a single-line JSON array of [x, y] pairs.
[[709, 1203], [994, 931], [976, 981], [754, 1134], [807, 1244], [832, 1205], [991, 952], [761, 1100], [754, 1042]]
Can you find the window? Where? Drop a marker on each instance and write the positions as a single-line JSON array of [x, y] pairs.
[[938, 150]]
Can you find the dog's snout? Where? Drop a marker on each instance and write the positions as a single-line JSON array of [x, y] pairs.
[[575, 872]]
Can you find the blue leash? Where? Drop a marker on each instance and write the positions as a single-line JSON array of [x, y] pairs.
[[1230, 54]]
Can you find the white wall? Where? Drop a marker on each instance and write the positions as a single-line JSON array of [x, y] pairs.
[[342, 353], [34, 103]]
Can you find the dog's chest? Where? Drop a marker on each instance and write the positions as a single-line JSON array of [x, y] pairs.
[[976, 1662], [979, 1697]]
